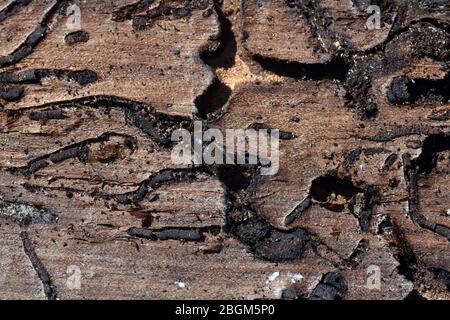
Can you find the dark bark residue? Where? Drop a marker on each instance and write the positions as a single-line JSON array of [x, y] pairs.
[[44, 276], [333, 286]]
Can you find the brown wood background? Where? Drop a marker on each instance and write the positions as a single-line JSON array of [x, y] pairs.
[[87, 182]]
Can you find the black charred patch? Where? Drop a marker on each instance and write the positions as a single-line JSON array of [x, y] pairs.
[[65, 154], [282, 246], [332, 287], [12, 8], [167, 234], [386, 226], [234, 177], [333, 192], [35, 76], [414, 210], [414, 295], [390, 160], [140, 194], [250, 231], [45, 115], [123, 199], [322, 187], [76, 37], [434, 144], [154, 182], [419, 91], [373, 151], [336, 69], [289, 294], [37, 165], [44, 276], [403, 46], [82, 77], [399, 90], [11, 94], [266, 242], [22, 77], [151, 128], [78, 150], [418, 41], [165, 10]]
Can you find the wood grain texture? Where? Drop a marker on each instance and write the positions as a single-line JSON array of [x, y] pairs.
[[87, 182]]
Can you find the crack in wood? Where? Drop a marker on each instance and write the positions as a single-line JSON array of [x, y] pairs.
[[78, 150], [156, 180], [332, 286], [35, 76], [34, 38]]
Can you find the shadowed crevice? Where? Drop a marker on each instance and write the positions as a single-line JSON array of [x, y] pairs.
[[212, 99]]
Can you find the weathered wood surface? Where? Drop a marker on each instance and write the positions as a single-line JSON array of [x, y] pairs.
[[87, 181]]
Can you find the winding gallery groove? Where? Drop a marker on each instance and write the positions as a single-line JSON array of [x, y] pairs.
[[90, 93]]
